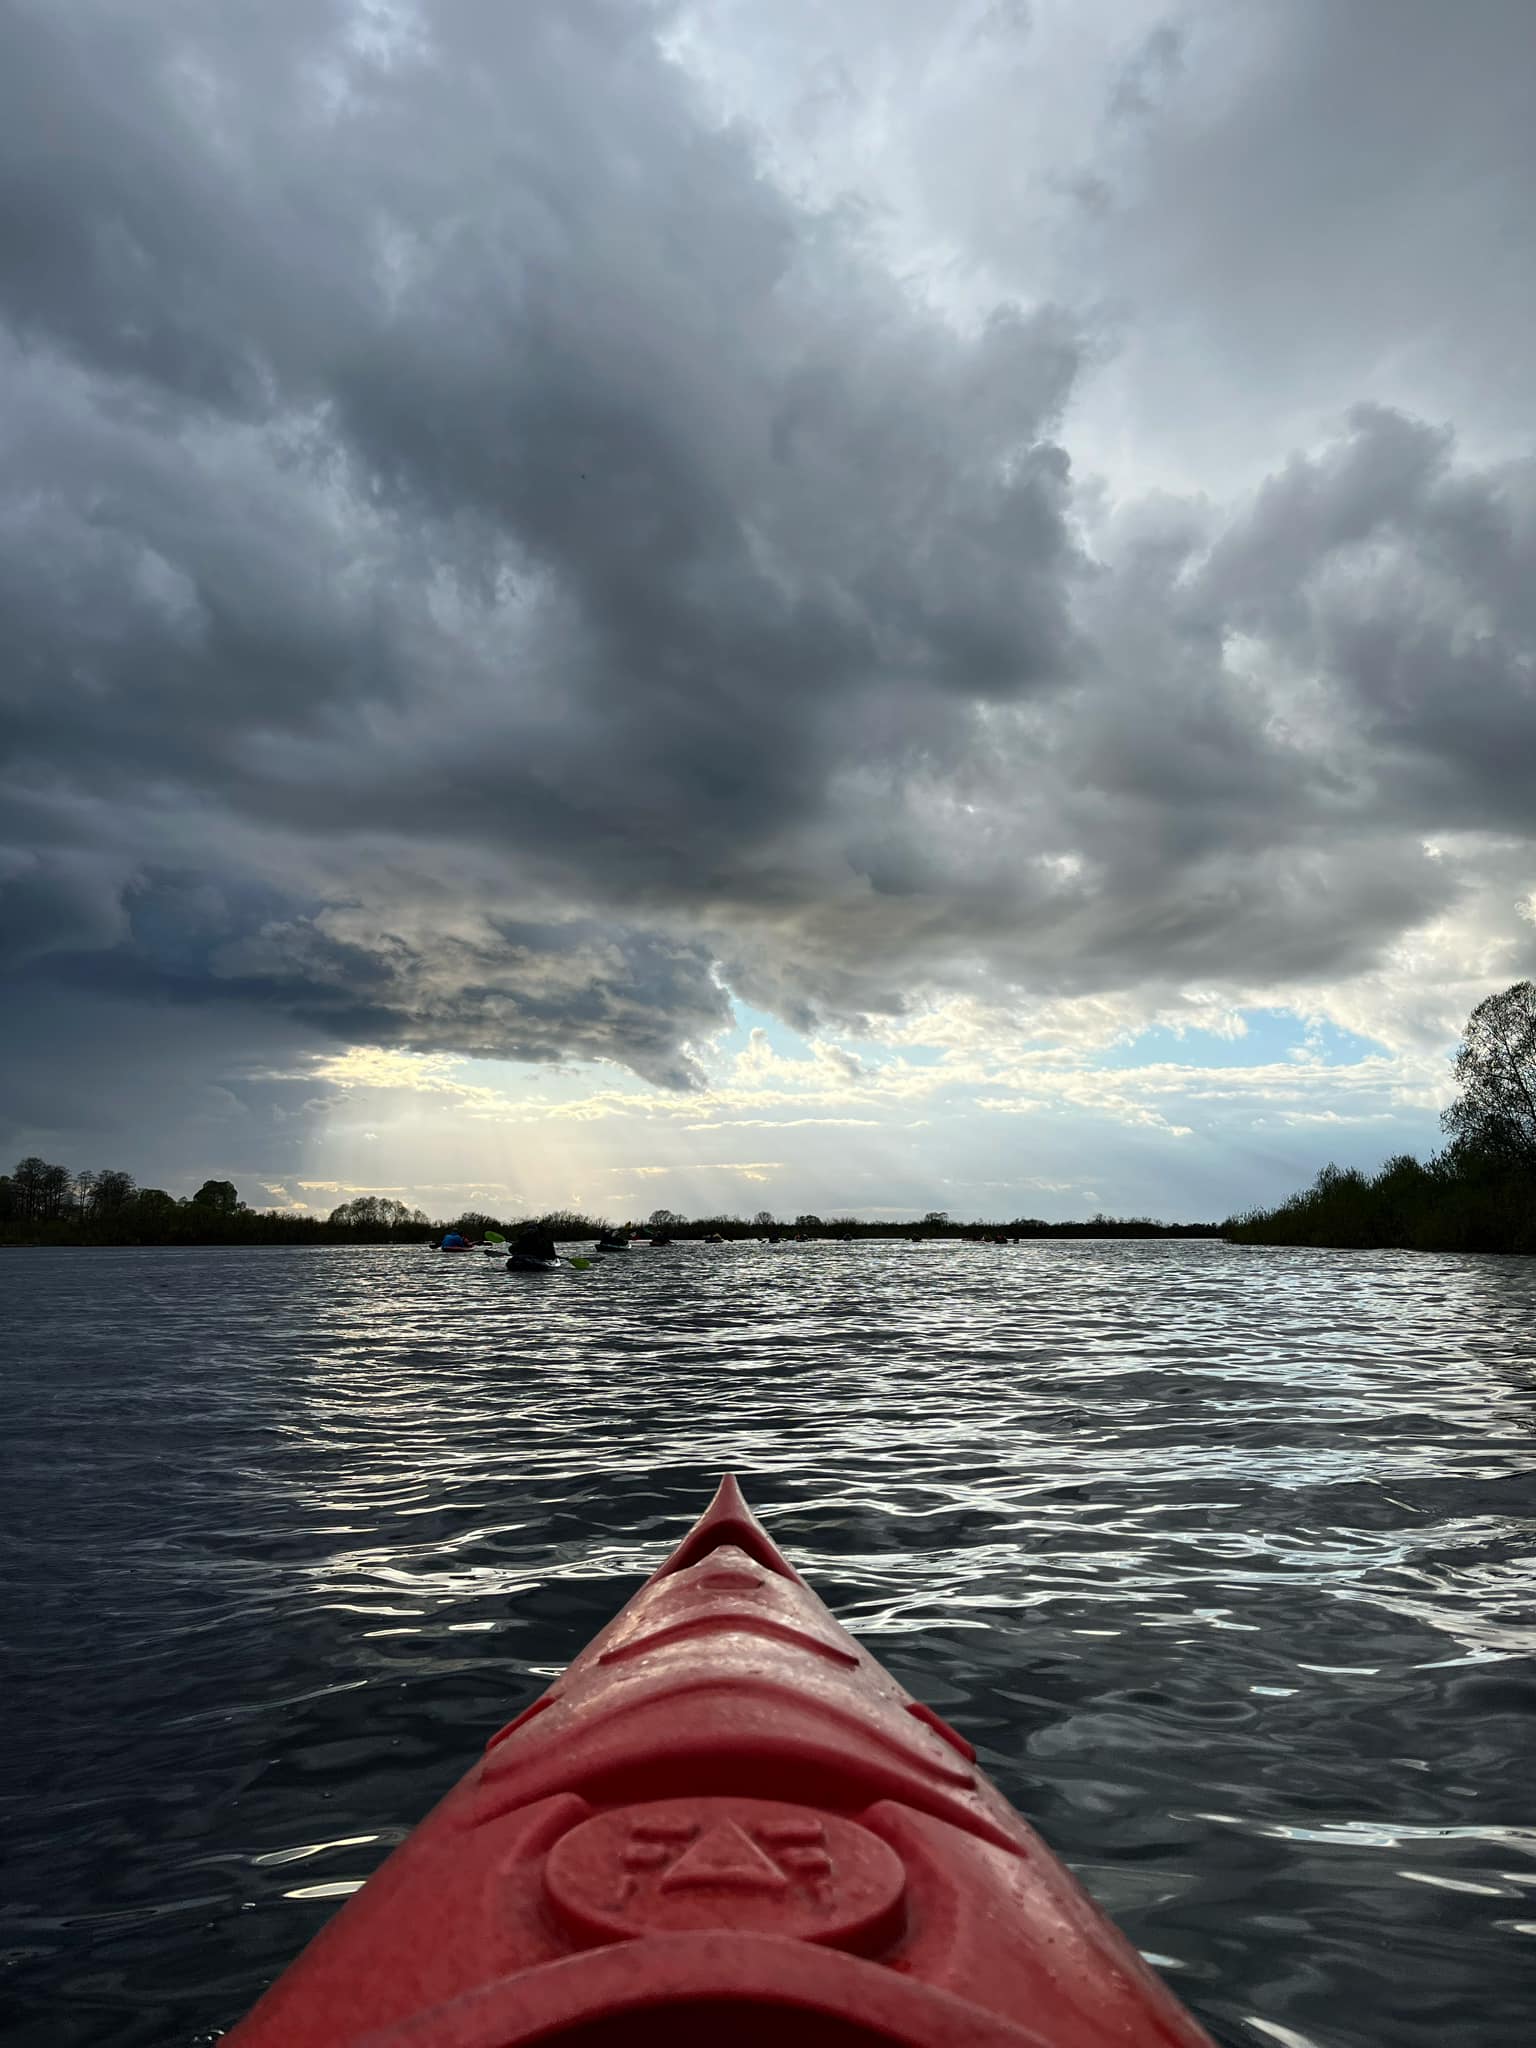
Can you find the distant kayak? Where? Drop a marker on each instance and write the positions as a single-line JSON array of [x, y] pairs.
[[613, 1244], [724, 1823]]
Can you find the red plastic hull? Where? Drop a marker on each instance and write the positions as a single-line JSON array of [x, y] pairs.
[[725, 1819]]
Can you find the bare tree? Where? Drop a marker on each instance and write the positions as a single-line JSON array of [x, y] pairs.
[[41, 1192]]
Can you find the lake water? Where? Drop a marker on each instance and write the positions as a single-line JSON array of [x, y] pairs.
[[1221, 1556]]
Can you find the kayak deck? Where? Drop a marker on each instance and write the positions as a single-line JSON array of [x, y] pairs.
[[725, 1815]]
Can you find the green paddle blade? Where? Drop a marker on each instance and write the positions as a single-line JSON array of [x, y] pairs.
[[580, 1265]]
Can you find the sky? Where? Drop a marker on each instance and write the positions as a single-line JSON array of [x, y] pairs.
[[854, 609]]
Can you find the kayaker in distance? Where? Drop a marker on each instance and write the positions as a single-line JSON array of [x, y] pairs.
[[534, 1243]]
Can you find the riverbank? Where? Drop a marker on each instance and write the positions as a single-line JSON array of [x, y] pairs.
[[1450, 1204]]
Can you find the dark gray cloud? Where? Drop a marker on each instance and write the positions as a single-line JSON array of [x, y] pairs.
[[1405, 583], [159, 1088], [478, 553]]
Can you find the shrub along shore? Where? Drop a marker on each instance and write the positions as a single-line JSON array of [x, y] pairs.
[[1452, 1204]]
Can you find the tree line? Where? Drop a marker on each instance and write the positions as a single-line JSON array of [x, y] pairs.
[[41, 1203], [39, 1193], [1477, 1195]]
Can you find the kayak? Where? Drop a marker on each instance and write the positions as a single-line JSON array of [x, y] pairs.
[[725, 1823], [521, 1263]]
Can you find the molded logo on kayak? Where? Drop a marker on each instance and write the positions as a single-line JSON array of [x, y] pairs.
[[761, 1865]]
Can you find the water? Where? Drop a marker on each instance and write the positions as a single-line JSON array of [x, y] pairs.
[[1221, 1556]]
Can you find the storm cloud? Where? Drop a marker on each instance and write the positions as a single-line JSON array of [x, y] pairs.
[[497, 560]]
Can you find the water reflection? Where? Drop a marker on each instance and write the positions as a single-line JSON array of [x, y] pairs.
[[1221, 1556]]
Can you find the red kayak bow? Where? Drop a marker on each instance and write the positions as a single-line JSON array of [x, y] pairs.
[[726, 1822]]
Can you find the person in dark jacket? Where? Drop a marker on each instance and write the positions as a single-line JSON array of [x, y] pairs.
[[533, 1243]]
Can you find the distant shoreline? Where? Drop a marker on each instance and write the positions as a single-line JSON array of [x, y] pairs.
[[284, 1232], [1258, 1232]]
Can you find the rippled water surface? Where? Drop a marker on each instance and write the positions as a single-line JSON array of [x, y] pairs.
[[1221, 1556]]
